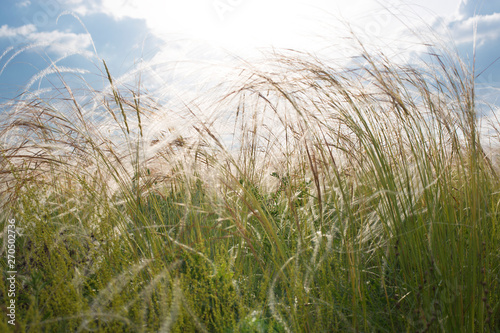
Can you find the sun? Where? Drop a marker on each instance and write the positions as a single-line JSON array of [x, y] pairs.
[[231, 24]]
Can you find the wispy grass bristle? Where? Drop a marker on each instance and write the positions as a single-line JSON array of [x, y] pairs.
[[299, 197]]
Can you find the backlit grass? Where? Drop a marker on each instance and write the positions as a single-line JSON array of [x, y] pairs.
[[355, 199]]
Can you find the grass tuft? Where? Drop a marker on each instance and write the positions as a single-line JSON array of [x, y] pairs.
[[347, 199]]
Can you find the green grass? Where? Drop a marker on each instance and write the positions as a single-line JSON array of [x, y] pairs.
[[358, 200]]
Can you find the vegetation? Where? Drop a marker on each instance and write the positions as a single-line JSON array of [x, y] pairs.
[[354, 199]]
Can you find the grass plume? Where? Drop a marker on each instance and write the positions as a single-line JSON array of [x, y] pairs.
[[348, 199]]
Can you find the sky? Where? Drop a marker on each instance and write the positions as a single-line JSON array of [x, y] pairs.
[[77, 34]]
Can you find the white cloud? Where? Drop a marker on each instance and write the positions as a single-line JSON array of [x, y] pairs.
[[82, 7], [57, 42], [25, 30], [487, 29], [61, 43], [470, 8]]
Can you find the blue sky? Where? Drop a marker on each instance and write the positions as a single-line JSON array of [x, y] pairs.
[[34, 33]]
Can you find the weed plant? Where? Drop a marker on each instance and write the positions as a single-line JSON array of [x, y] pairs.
[[350, 199]]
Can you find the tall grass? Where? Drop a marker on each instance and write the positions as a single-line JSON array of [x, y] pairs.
[[352, 199]]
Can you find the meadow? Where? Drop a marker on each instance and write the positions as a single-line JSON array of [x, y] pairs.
[[359, 199]]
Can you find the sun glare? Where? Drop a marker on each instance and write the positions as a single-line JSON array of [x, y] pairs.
[[232, 24]]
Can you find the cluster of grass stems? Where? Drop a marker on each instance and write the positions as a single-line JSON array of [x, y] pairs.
[[356, 199]]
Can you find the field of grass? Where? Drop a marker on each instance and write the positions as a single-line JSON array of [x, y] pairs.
[[357, 199]]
